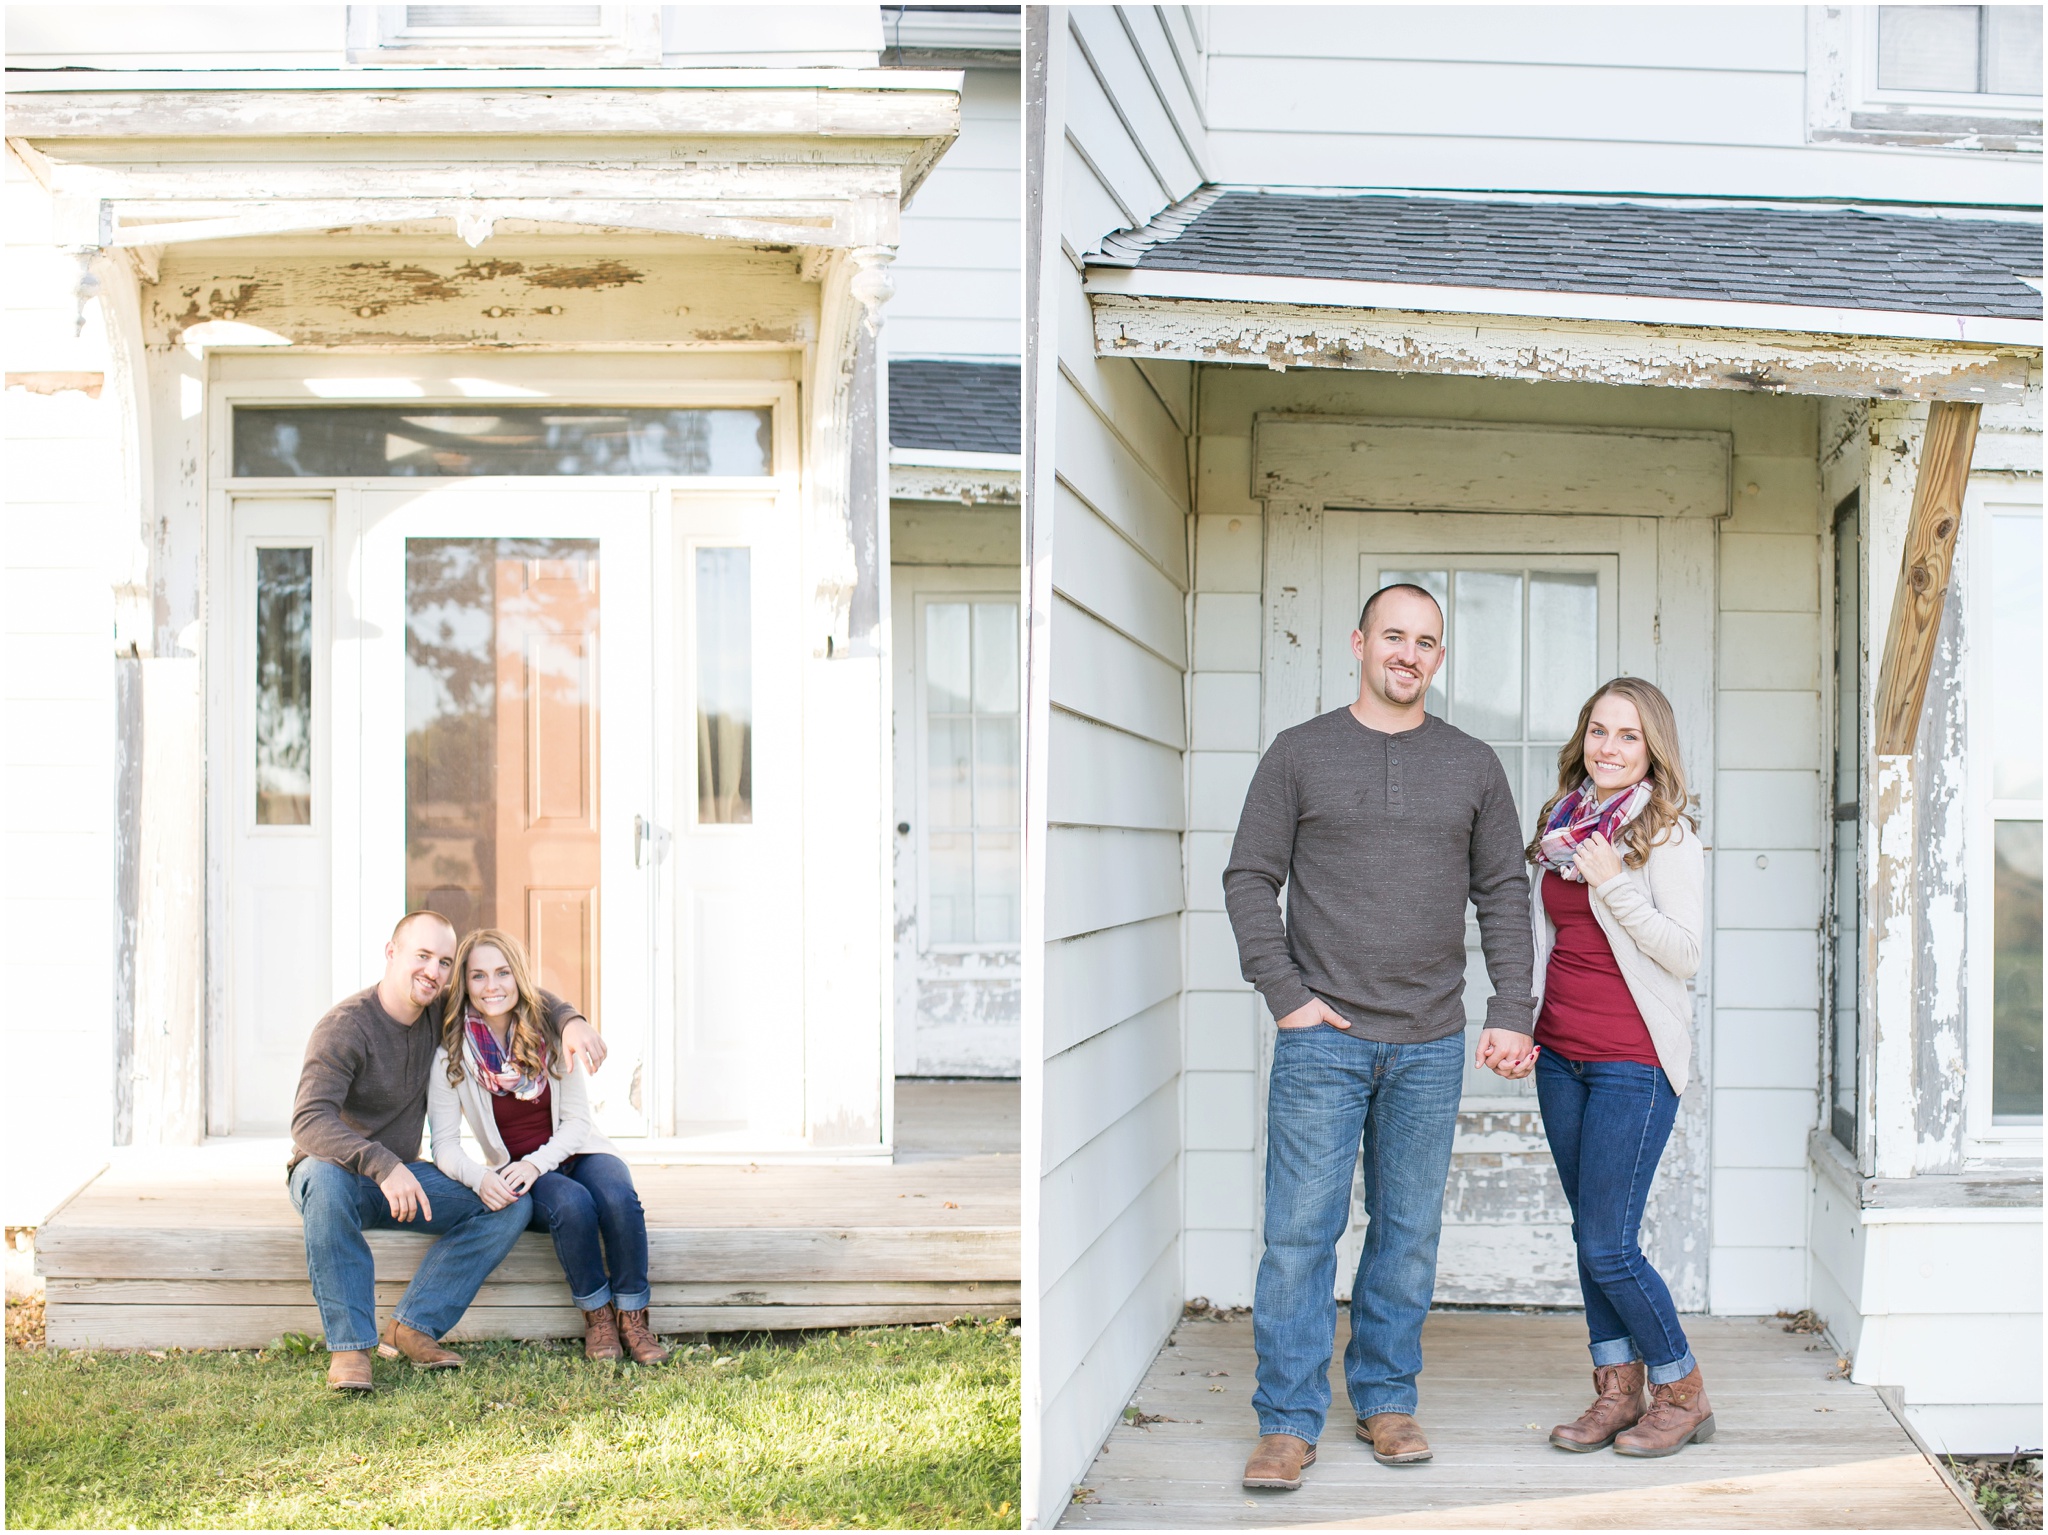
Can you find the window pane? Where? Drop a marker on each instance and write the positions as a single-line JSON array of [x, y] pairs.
[[996, 764], [1486, 654], [949, 790], [1927, 48], [997, 885], [473, 17], [2016, 972], [501, 746], [1564, 649], [1511, 764], [2012, 50], [284, 687], [995, 657], [328, 441], [947, 658], [725, 687], [1846, 913], [2016, 656], [949, 893]]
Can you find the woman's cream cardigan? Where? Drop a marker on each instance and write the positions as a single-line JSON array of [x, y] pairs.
[[1653, 918], [447, 1107]]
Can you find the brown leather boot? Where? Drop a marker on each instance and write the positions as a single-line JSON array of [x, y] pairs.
[[415, 1345], [601, 1333], [1619, 1405], [1279, 1461], [639, 1338], [1395, 1437], [1678, 1416], [349, 1370]]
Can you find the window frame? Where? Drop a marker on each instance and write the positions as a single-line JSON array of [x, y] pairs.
[[1850, 509], [1983, 1140], [1844, 104], [626, 34], [922, 599]]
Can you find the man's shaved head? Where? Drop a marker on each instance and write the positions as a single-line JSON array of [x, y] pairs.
[[406, 921], [1365, 614]]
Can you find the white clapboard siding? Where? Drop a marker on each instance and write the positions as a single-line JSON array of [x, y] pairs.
[[1684, 100], [1125, 140], [61, 549], [957, 269]]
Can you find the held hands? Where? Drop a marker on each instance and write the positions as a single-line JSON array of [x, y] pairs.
[[494, 1191], [1506, 1053], [1596, 860], [581, 1042], [519, 1177], [1312, 1012], [404, 1194]]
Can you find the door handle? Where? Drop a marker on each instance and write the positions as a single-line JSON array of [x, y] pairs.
[[650, 843]]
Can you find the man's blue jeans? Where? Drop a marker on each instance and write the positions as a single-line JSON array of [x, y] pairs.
[[593, 1200], [1330, 1094], [1607, 1122], [338, 1206]]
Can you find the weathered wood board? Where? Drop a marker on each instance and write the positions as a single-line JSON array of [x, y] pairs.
[[1794, 1448]]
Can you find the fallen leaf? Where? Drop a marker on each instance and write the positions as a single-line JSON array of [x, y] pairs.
[[951, 1205]]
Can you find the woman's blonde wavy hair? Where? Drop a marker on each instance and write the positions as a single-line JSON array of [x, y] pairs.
[[534, 1038], [1668, 797]]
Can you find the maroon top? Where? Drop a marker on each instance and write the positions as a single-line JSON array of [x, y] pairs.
[[524, 1124], [1588, 1013]]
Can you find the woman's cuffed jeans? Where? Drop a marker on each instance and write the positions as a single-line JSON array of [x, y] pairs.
[[338, 1206], [1330, 1095], [593, 1212], [1608, 1122]]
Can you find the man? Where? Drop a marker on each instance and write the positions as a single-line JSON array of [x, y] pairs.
[[1380, 821], [356, 1166]]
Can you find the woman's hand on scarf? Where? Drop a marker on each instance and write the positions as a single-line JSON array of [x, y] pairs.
[[1597, 861], [494, 1191]]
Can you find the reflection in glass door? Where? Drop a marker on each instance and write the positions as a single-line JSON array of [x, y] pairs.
[[501, 746]]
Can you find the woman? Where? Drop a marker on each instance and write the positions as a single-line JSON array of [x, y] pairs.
[[1618, 915], [502, 1070]]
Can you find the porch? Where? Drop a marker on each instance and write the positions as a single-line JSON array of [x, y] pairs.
[[1795, 1448], [202, 1249]]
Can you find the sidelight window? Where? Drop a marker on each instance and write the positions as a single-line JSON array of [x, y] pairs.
[[284, 687], [725, 687]]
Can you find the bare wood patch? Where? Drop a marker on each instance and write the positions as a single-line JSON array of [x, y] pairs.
[[1937, 515]]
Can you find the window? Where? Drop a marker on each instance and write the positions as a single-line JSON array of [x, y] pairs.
[[440, 441], [1926, 76], [408, 35], [725, 687], [2005, 912], [1845, 904], [973, 762], [284, 687]]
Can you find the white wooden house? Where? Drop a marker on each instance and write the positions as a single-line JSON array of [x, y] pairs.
[[1624, 328], [448, 464]]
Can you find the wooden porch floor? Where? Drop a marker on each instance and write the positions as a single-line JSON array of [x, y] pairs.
[[202, 1249], [1792, 1450]]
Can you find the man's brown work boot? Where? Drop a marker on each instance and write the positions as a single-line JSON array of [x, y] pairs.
[[1279, 1461], [601, 1333], [1395, 1437], [349, 1370], [639, 1338], [415, 1345], [1678, 1416], [1619, 1405]]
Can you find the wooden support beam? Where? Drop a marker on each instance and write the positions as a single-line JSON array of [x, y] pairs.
[[1923, 572]]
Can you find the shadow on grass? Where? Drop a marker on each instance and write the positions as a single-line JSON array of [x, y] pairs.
[[882, 1427]]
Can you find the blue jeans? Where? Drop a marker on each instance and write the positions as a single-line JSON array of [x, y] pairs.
[[593, 1198], [1331, 1093], [1607, 1122], [338, 1206]]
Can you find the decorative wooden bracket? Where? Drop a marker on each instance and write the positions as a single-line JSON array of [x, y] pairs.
[[1923, 572]]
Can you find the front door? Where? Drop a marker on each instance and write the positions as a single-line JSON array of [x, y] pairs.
[[506, 737], [1538, 611]]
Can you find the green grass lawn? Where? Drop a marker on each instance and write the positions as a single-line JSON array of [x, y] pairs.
[[913, 1427]]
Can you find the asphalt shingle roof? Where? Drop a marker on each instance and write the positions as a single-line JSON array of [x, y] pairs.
[[956, 407], [1830, 258]]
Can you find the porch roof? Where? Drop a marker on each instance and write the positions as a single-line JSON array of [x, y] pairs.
[[1835, 258], [956, 406]]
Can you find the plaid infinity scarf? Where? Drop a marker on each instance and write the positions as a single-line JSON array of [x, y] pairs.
[[492, 1069], [1579, 814]]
